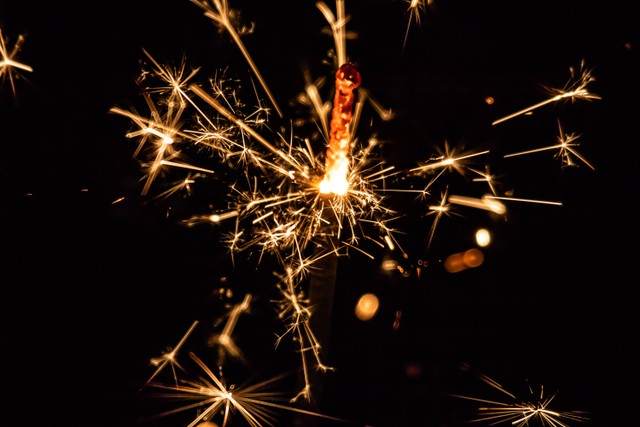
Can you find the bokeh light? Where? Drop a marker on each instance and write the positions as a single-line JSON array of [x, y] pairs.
[[367, 307]]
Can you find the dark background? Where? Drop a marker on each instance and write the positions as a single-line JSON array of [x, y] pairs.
[[93, 289]]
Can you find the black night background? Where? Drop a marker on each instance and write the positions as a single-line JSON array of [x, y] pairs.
[[98, 279]]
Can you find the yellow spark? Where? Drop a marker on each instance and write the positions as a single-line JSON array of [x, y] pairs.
[[229, 116], [575, 88], [447, 160], [170, 357], [295, 311], [8, 65], [515, 199], [210, 397], [224, 340], [521, 411], [218, 11], [438, 210], [337, 23], [565, 149], [415, 9], [485, 177]]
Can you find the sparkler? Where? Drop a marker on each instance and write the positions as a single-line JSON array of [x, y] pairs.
[[285, 201]]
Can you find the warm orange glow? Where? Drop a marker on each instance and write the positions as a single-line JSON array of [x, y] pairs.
[[454, 263], [461, 261], [473, 258], [390, 265], [367, 307]]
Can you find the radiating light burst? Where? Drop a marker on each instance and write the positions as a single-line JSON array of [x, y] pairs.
[[575, 89], [198, 388], [532, 409], [212, 398], [280, 200], [565, 149], [415, 8], [10, 68]]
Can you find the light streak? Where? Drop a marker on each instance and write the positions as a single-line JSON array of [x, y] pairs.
[[522, 411], [574, 89], [439, 210], [294, 310], [224, 340], [337, 23], [487, 203], [415, 9], [565, 145], [170, 358], [516, 199], [448, 160], [218, 11], [8, 64], [485, 177], [214, 399]]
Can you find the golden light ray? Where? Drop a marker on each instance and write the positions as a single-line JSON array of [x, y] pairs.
[[520, 411], [574, 89], [415, 8], [337, 23], [213, 399], [170, 358], [565, 145], [224, 340], [294, 310], [447, 160], [9, 66], [487, 203], [218, 11]]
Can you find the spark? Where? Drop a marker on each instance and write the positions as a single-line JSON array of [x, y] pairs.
[[574, 89], [442, 208], [242, 125], [210, 395], [8, 65], [218, 11], [415, 9], [485, 177], [447, 160], [337, 23], [516, 199], [170, 358], [293, 308], [224, 340], [565, 145], [521, 411]]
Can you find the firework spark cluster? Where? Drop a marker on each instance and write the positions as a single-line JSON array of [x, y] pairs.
[[281, 198], [10, 67]]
